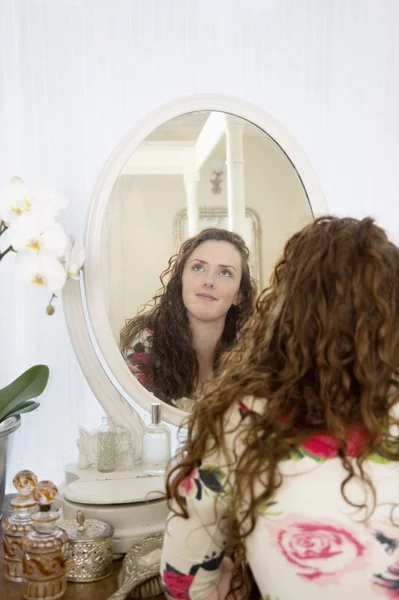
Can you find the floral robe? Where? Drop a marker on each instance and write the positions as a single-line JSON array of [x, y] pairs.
[[308, 543], [138, 360]]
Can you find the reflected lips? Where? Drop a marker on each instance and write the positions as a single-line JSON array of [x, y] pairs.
[[206, 297]]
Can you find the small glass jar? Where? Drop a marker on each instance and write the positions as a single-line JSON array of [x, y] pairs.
[[125, 459], [106, 446]]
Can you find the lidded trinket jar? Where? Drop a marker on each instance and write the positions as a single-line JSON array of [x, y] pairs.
[[44, 565], [91, 548], [18, 524]]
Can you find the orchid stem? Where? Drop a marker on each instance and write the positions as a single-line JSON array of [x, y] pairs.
[[2, 254], [3, 227]]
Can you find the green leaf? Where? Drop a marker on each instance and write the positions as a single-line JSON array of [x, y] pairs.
[[378, 458], [211, 477], [28, 385], [267, 511], [299, 453], [25, 407], [295, 454], [216, 471], [314, 456]]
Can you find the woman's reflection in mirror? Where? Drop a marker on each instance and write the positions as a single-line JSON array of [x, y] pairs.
[[174, 344]]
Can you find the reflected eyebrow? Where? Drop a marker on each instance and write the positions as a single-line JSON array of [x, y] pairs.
[[203, 262]]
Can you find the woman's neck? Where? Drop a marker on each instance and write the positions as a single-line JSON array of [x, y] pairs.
[[205, 338]]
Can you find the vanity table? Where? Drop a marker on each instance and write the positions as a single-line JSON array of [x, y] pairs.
[[98, 590], [131, 501]]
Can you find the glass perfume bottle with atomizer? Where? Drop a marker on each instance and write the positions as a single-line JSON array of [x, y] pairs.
[[156, 443]]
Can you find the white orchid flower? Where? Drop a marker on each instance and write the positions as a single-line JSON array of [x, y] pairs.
[[35, 233], [18, 198], [74, 260], [42, 270], [15, 199]]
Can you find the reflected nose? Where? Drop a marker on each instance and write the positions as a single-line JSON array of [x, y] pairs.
[[209, 282]]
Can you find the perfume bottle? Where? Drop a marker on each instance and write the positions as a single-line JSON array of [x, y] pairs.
[[18, 524], [156, 444], [44, 566], [106, 446]]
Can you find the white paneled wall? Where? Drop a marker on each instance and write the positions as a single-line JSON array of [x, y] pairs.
[[75, 75]]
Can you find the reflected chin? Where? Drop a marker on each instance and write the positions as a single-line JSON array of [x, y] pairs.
[[206, 312]]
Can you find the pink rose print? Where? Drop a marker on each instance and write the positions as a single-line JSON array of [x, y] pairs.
[[318, 549], [389, 582], [144, 378], [139, 363], [177, 585], [326, 446], [242, 409], [139, 359], [188, 485]]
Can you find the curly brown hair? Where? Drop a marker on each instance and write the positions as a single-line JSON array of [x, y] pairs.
[[322, 350], [173, 361]]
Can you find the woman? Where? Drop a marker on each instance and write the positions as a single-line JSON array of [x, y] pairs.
[[207, 294], [294, 464]]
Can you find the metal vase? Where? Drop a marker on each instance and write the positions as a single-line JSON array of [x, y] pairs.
[[7, 428]]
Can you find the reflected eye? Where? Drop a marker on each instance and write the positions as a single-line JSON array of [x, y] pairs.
[[226, 273], [198, 267]]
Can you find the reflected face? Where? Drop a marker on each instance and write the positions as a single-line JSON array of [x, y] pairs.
[[211, 280]]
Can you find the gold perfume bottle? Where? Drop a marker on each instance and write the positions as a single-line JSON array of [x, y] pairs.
[[44, 561], [18, 524]]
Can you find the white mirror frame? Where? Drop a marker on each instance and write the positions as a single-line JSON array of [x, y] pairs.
[[107, 358]]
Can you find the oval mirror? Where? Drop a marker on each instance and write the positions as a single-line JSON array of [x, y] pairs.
[[205, 163]]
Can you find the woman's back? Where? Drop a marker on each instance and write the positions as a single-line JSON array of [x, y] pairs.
[[315, 513], [308, 541], [311, 543]]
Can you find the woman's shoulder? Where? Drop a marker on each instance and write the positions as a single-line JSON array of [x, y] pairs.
[[237, 423], [317, 449]]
